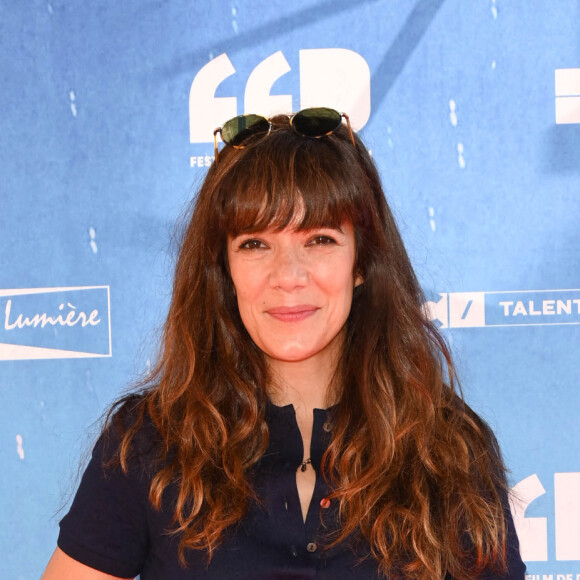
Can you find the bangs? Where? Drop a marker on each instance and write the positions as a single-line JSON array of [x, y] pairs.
[[288, 180]]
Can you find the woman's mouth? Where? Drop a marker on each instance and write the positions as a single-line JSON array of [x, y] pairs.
[[292, 313]]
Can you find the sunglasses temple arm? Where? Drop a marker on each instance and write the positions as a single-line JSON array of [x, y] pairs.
[[349, 128], [215, 144]]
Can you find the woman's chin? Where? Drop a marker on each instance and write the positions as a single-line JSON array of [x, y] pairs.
[[293, 354]]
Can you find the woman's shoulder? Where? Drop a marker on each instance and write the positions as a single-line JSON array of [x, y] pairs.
[[129, 434], [457, 409], [474, 434]]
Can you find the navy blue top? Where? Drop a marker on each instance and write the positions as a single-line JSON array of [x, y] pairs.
[[112, 527]]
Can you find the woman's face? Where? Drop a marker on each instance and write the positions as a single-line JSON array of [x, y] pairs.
[[294, 289]]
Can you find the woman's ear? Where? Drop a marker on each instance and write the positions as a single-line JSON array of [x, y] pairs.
[[358, 280]]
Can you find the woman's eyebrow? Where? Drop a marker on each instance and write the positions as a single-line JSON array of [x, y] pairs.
[[335, 227]]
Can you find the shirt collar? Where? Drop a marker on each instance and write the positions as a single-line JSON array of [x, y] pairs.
[[286, 441]]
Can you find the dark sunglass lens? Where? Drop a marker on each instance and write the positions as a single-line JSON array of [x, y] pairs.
[[316, 122], [239, 129]]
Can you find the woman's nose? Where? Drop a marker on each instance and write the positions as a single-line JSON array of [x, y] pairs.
[[288, 269]]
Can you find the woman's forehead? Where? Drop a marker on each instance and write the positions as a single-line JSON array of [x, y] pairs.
[[296, 228], [277, 212]]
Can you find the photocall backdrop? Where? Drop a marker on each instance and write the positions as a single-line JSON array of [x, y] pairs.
[[472, 112]]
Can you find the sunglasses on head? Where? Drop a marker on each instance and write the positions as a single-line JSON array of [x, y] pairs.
[[314, 122]]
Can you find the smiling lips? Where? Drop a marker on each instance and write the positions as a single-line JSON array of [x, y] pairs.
[[292, 313]]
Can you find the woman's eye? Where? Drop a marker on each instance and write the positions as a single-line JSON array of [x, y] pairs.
[[252, 245], [322, 241]]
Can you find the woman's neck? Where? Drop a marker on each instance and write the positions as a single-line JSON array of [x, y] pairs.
[[305, 384]]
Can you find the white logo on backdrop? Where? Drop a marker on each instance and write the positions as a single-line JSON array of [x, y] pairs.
[[331, 77], [567, 89], [512, 308], [533, 531], [49, 323]]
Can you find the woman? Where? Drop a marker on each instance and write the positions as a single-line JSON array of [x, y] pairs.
[[302, 420]]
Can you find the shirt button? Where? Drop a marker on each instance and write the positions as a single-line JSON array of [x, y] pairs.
[[327, 426], [312, 547], [324, 503]]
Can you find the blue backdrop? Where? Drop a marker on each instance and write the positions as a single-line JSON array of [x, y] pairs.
[[472, 112]]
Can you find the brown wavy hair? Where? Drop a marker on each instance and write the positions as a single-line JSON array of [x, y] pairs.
[[418, 475]]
